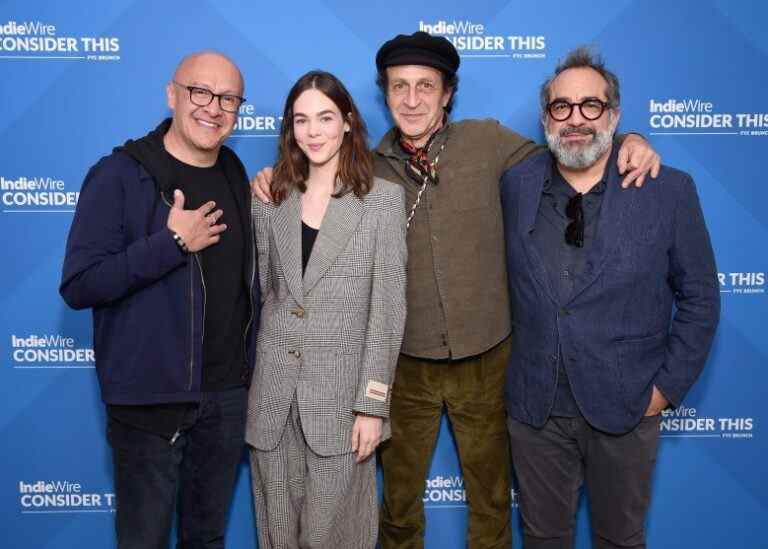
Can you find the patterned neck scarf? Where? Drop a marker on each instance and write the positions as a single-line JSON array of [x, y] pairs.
[[419, 167]]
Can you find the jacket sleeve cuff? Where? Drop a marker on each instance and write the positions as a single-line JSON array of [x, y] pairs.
[[670, 388], [374, 400], [166, 253]]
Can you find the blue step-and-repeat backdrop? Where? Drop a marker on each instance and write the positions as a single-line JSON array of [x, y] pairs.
[[79, 77]]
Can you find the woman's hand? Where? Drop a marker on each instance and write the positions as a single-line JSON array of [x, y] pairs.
[[366, 435]]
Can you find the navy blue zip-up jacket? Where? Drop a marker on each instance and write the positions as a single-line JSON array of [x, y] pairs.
[[147, 295]]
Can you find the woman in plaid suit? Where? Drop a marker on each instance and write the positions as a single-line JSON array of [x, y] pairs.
[[332, 257]]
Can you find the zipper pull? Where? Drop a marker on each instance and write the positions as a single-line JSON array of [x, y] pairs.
[[175, 437]]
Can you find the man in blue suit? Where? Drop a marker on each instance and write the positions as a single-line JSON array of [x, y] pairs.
[[594, 272]]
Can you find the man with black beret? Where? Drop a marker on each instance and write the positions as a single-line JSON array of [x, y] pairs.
[[456, 341]]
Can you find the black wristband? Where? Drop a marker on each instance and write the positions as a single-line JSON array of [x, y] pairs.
[[180, 242]]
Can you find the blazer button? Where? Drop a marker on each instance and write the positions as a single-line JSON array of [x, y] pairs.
[[565, 312], [298, 313], [296, 354]]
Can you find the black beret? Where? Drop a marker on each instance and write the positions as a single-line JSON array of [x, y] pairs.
[[419, 48]]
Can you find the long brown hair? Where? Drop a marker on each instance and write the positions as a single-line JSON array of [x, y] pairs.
[[355, 171]]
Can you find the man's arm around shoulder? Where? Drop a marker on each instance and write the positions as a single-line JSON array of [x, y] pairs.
[[534, 167]]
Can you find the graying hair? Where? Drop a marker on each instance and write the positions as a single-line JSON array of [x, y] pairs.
[[583, 57]]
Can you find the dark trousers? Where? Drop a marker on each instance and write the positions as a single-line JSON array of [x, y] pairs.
[[471, 391], [195, 475], [553, 462]]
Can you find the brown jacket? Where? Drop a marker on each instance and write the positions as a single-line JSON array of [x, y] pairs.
[[458, 302]]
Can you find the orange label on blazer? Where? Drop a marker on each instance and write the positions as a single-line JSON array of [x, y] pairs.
[[377, 391]]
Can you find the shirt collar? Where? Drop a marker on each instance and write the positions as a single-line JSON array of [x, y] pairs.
[[393, 148], [554, 178]]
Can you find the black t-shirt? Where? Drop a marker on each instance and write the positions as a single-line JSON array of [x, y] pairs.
[[226, 306], [226, 301], [308, 237]]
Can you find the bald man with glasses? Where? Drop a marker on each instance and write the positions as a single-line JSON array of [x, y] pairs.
[[161, 248]]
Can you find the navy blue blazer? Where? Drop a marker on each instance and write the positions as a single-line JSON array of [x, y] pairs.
[[617, 332]]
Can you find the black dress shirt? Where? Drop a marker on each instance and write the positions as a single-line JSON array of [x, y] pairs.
[[564, 262]]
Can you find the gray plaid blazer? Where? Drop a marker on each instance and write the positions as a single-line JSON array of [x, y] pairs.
[[333, 335]]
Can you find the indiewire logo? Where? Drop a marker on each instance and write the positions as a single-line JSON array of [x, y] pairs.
[[742, 283], [448, 491], [698, 115], [252, 124], [36, 195], [62, 496], [471, 40], [49, 352], [686, 422], [39, 40], [445, 490]]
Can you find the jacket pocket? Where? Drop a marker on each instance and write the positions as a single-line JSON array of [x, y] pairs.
[[637, 362]]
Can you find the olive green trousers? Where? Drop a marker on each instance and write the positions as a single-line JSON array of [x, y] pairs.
[[471, 391]]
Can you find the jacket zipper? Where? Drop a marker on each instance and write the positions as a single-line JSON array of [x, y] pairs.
[[205, 299], [191, 312]]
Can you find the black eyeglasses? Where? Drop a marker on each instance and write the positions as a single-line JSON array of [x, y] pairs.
[[574, 232], [591, 109], [203, 97]]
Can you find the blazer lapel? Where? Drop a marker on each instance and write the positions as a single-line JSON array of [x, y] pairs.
[[530, 197], [341, 219], [613, 216], [286, 228]]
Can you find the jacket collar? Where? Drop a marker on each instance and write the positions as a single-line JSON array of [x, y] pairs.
[[149, 151], [389, 145], [613, 217], [339, 223]]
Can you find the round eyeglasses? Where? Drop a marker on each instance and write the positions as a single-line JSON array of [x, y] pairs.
[[591, 109]]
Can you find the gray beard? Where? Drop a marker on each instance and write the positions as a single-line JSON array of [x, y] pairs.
[[579, 157]]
